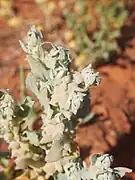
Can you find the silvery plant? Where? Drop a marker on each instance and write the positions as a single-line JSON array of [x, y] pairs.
[[49, 150]]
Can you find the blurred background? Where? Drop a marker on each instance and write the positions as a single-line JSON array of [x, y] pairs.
[[101, 32]]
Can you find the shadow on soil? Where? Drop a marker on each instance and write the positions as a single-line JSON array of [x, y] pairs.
[[124, 152]]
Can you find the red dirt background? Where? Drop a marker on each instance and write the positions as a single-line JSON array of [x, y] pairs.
[[113, 101]]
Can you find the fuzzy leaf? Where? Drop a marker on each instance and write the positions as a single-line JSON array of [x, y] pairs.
[[93, 158], [23, 46], [121, 171], [31, 83], [32, 137], [37, 68], [60, 176], [54, 153]]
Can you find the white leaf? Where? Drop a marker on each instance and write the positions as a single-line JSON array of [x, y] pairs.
[[55, 153], [31, 83], [122, 171], [46, 139], [23, 46], [33, 138]]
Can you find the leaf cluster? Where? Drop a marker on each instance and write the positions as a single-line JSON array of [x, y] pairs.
[[96, 44]]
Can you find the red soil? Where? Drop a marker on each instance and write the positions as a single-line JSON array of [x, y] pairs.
[[113, 101]]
